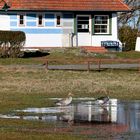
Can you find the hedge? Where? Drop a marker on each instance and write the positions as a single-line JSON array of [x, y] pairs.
[[11, 43]]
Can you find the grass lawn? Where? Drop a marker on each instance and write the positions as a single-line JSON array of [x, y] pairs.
[[68, 55], [23, 87], [72, 54]]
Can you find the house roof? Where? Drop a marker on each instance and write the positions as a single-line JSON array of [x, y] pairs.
[[68, 5]]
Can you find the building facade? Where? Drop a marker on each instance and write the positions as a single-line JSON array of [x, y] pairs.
[[61, 23]]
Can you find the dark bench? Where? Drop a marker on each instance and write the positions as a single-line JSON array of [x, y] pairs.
[[110, 44]]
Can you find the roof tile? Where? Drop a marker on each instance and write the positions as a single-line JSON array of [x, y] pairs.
[[69, 5]]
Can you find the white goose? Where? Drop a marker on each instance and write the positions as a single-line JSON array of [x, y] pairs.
[[66, 101]]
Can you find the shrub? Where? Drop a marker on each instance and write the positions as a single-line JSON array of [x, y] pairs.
[[128, 36], [11, 43]]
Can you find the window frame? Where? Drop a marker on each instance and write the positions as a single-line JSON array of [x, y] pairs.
[[108, 25], [83, 20], [58, 25], [19, 19], [40, 25]]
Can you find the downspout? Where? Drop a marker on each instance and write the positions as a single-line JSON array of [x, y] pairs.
[[71, 39], [75, 29]]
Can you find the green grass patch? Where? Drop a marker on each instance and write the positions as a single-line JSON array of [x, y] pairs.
[[68, 56], [31, 130], [23, 87], [79, 56], [19, 61], [129, 54]]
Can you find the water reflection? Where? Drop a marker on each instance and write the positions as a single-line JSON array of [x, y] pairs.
[[128, 113], [124, 113], [95, 113]]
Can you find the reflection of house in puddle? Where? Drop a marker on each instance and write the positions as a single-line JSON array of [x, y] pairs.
[[119, 113], [84, 111], [91, 112], [128, 113]]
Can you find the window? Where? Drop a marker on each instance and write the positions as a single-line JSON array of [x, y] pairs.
[[21, 19], [40, 20], [58, 20], [101, 24], [83, 24]]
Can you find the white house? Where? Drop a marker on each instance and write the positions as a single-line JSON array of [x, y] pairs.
[[63, 23], [137, 48]]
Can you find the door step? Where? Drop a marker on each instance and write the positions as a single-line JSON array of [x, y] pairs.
[[96, 49]]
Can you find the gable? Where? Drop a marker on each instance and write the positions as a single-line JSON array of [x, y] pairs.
[[68, 5]]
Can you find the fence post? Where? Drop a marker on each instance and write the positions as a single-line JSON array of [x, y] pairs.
[[139, 65], [46, 64], [99, 65], [88, 65]]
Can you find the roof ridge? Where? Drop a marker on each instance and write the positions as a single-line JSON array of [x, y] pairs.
[[125, 5]]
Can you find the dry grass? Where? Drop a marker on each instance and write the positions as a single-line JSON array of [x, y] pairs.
[[23, 87], [26, 81]]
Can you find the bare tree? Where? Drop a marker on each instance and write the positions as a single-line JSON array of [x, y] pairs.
[[131, 18]]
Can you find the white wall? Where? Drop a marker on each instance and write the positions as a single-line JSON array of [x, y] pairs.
[[43, 40], [4, 22], [96, 39], [137, 48]]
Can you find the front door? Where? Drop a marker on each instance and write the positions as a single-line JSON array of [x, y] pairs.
[[84, 30]]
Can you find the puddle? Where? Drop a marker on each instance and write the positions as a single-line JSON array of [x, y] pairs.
[[43, 110], [116, 116]]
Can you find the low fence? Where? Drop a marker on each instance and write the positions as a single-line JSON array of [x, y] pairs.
[[94, 64]]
